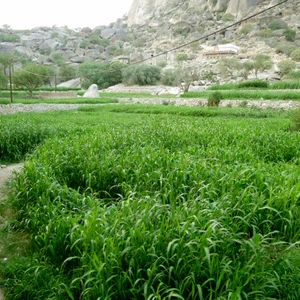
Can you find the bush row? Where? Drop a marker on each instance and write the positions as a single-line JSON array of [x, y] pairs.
[[258, 84]]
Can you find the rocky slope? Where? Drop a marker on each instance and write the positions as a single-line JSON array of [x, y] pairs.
[[156, 26], [142, 10]]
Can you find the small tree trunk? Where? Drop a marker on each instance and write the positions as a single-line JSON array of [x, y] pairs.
[[30, 93]]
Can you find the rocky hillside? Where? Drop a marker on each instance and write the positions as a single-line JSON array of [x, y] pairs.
[[143, 10], [156, 26]]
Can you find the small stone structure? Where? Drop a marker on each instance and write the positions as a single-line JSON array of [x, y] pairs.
[[92, 92]]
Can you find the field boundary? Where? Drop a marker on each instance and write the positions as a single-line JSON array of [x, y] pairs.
[[201, 102]]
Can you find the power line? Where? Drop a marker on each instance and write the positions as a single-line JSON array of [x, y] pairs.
[[210, 34]]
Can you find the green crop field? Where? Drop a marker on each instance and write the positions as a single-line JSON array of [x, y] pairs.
[[153, 202], [249, 95]]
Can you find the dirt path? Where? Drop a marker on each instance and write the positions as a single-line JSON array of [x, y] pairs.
[[6, 173]]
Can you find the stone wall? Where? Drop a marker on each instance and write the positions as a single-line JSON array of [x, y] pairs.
[[263, 104]]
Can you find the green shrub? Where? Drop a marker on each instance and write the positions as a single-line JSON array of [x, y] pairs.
[[226, 86], [10, 38], [290, 34], [104, 42], [265, 33], [214, 99], [161, 64], [181, 57], [286, 66], [285, 49], [275, 25], [141, 74], [95, 39], [243, 103], [228, 17], [102, 74], [294, 75], [84, 44], [254, 84], [246, 28], [295, 55]]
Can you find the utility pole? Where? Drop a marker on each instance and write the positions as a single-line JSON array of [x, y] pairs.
[[55, 83], [10, 83]]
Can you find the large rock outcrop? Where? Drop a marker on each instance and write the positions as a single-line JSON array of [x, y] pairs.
[[142, 11]]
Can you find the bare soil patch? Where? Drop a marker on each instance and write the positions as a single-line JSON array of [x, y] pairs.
[[6, 173]]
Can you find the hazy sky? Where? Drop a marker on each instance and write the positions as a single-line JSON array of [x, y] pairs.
[[27, 14]]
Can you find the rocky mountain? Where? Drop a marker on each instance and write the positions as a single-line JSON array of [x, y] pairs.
[[153, 27], [142, 11]]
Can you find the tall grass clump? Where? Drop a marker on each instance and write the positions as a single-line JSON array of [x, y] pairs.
[[285, 85], [214, 99], [19, 136], [254, 84], [176, 207], [296, 120]]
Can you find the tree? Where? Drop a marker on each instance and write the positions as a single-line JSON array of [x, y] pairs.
[[228, 66], [102, 74], [141, 74], [114, 72], [6, 60], [67, 72], [180, 77], [286, 66], [32, 77], [262, 63], [214, 99], [247, 67], [170, 77], [57, 59], [89, 73]]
